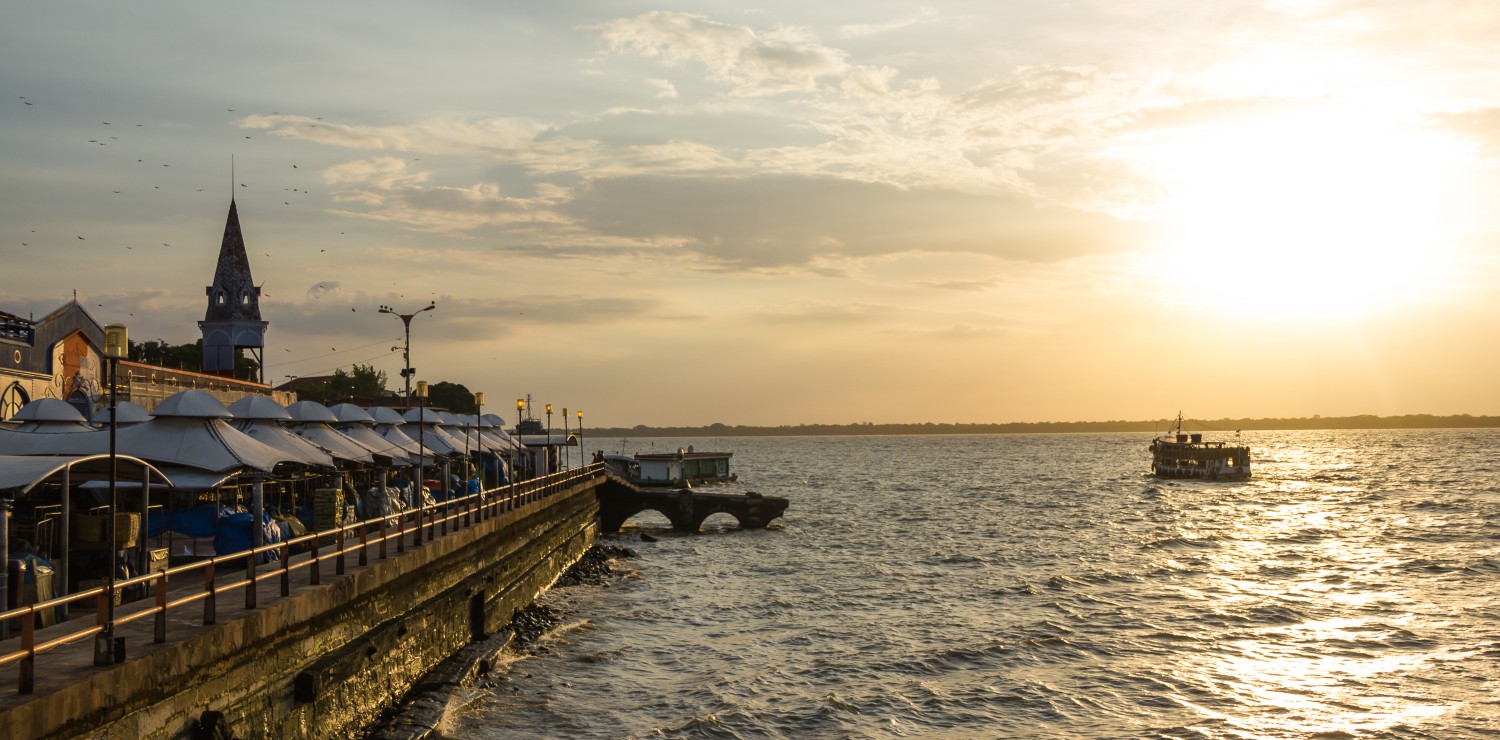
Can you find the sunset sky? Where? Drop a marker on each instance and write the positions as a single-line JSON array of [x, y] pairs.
[[788, 212]]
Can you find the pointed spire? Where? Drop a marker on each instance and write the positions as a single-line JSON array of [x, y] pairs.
[[233, 296]]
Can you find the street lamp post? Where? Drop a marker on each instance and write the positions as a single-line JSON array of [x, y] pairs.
[[580, 437], [479, 424], [567, 454], [406, 369], [515, 465], [421, 487], [548, 449], [116, 346]]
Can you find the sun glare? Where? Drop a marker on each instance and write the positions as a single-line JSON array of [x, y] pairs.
[[1315, 212]]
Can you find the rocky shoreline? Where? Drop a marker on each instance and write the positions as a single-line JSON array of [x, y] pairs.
[[423, 710]]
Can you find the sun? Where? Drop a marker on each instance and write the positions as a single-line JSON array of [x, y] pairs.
[[1312, 212]]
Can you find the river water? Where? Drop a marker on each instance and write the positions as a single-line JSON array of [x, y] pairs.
[[1040, 586]]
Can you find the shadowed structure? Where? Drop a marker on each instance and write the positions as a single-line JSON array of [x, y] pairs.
[[232, 321]]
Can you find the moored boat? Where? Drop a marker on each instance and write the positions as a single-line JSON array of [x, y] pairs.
[[1178, 454]]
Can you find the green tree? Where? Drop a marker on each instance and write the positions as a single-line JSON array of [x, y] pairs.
[[189, 357], [452, 396], [360, 382]]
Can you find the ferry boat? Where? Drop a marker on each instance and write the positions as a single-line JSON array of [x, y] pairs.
[[1178, 454]]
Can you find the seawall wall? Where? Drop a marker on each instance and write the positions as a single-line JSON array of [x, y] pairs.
[[326, 660]]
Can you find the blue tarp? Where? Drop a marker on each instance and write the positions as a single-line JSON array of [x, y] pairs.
[[195, 522], [235, 534]]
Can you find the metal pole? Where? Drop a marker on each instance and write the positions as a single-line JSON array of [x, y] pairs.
[[104, 644], [67, 542], [5, 565], [406, 368]]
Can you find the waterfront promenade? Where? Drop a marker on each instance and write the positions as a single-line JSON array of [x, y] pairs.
[[311, 645]]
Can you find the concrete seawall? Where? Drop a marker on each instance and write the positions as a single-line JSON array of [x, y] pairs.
[[326, 660]]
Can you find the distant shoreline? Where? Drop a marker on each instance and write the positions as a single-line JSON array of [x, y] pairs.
[[1209, 426]]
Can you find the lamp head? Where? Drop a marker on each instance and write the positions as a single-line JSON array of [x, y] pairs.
[[116, 341], [421, 391], [479, 398]]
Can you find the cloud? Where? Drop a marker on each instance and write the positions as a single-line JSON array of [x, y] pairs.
[[449, 135], [327, 290], [925, 14], [781, 60], [664, 88], [790, 222], [383, 189], [1482, 125]]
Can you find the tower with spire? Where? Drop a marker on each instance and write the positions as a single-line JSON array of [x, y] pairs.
[[233, 319]]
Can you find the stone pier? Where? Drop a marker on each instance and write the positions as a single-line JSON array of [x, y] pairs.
[[323, 661]]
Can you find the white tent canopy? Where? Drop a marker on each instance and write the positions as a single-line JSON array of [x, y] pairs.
[[22, 473]]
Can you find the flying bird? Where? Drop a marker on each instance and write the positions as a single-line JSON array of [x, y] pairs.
[[81, 239]]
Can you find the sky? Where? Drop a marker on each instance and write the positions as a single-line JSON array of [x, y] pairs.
[[787, 212]]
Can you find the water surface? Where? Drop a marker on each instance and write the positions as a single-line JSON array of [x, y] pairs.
[[1040, 586]]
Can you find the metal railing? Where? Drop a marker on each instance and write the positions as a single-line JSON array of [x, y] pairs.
[[352, 538]]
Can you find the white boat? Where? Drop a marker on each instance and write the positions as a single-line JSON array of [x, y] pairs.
[[1178, 454]]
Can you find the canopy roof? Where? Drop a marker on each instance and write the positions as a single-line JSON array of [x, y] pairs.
[[348, 413], [49, 409], [259, 407], [203, 442], [22, 473], [193, 404], [125, 413], [386, 415], [382, 447], [278, 436], [311, 411], [395, 435]]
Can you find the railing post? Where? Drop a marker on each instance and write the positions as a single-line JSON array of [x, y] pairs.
[[27, 680], [210, 602], [364, 541], [316, 577], [286, 569], [338, 565], [384, 525], [161, 607], [400, 534], [250, 580]]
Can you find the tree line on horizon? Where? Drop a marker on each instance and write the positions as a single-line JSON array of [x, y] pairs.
[[1207, 426]]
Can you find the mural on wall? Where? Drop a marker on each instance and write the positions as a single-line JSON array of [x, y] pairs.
[[75, 372]]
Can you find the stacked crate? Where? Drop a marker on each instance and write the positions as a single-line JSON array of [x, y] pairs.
[[328, 512]]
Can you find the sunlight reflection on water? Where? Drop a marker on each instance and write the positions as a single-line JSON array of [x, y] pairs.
[[938, 587]]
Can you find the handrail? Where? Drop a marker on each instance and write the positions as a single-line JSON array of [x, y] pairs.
[[457, 513]]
